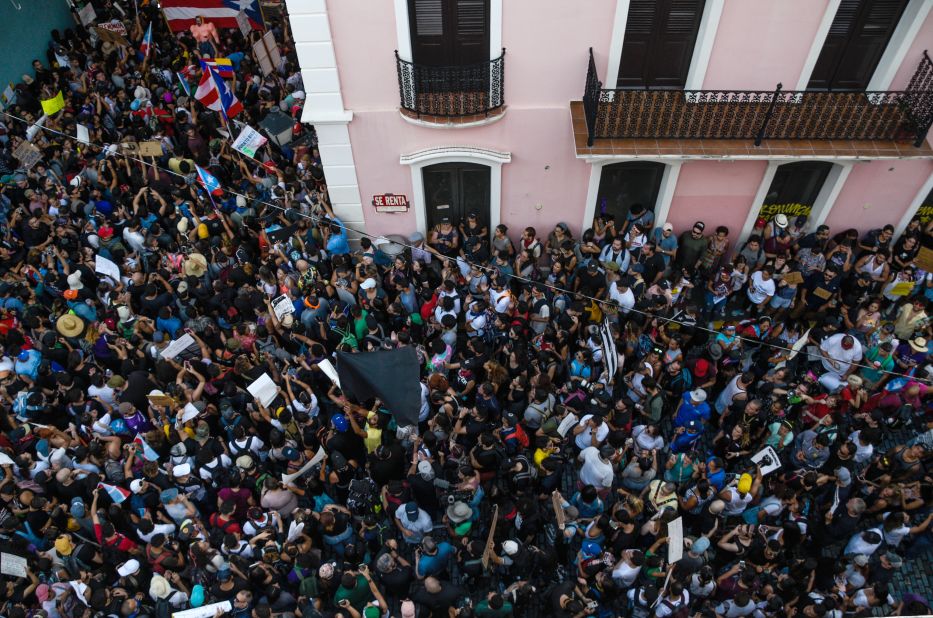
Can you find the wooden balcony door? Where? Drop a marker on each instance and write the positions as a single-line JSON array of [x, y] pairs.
[[658, 45], [449, 32], [857, 38]]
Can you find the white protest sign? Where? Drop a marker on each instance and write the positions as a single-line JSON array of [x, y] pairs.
[[282, 306], [249, 141], [178, 346], [767, 459], [11, 564], [87, 14], [318, 457], [107, 267], [82, 134], [328, 368], [205, 611], [263, 389], [566, 423], [675, 540]]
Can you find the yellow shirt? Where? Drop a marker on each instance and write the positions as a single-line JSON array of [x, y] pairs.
[[373, 434]]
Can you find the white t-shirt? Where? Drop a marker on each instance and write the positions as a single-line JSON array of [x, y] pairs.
[[583, 439], [594, 471], [840, 359], [759, 289], [624, 574], [644, 441], [625, 299]]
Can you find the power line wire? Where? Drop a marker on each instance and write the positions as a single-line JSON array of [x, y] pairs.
[[456, 260]]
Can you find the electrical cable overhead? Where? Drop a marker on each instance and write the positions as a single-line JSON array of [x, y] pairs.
[[457, 260]]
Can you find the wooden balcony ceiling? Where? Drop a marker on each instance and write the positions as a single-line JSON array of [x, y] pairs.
[[724, 148]]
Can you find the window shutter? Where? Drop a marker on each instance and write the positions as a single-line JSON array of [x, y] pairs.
[[684, 16], [429, 19], [846, 16], [471, 17], [640, 17], [882, 16]]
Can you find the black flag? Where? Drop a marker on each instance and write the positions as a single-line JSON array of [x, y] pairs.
[[390, 375]]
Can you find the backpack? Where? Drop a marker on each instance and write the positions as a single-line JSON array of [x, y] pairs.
[[163, 607], [307, 586], [682, 611], [362, 496]]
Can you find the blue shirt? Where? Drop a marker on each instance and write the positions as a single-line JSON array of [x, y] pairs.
[[337, 243], [689, 412], [169, 325], [436, 564]]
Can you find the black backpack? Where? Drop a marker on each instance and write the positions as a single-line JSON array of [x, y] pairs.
[[362, 496], [163, 607]]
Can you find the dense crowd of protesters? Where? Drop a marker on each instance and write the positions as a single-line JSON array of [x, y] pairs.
[[142, 484]]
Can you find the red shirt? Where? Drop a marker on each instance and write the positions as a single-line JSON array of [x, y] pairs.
[[118, 541]]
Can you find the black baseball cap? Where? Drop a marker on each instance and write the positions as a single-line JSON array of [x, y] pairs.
[[700, 225]]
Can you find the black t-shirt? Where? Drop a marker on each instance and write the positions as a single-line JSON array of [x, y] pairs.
[[438, 603], [349, 445], [396, 582], [138, 385], [424, 492], [653, 265]]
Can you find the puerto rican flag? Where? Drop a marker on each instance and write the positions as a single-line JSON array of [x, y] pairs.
[[209, 181], [117, 494], [214, 94], [147, 42], [180, 14]]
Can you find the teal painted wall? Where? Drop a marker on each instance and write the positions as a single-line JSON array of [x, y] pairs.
[[25, 34]]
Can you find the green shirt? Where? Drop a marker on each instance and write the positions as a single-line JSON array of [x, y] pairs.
[[359, 596], [482, 610]]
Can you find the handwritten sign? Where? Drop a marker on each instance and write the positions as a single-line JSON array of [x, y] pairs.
[[924, 259], [87, 14], [675, 540], [27, 154], [107, 267], [263, 389], [822, 293], [11, 564], [794, 278], [150, 149], [249, 141], [110, 36], [178, 346], [389, 202], [901, 288]]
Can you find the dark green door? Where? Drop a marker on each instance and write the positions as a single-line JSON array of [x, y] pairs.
[[453, 190]]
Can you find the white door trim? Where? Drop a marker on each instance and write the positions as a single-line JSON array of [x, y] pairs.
[[662, 206], [817, 45], [403, 29], [914, 206], [615, 45], [703, 48], [757, 201], [491, 158], [832, 187], [915, 13]]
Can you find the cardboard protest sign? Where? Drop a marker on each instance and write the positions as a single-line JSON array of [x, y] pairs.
[[249, 141], [150, 149]]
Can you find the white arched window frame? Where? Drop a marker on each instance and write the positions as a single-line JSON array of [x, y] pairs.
[[492, 159]]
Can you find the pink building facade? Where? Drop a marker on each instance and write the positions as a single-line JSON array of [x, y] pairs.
[[508, 145]]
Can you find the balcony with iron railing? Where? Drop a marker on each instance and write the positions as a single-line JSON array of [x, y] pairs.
[[746, 122], [451, 95]]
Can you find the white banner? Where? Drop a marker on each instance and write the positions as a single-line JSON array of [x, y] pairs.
[[249, 141], [11, 564]]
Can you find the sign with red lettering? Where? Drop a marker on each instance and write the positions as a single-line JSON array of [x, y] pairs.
[[388, 202]]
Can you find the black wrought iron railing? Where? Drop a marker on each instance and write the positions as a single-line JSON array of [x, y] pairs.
[[758, 115], [451, 91]]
